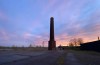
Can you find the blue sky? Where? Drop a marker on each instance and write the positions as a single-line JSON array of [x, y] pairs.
[[25, 22]]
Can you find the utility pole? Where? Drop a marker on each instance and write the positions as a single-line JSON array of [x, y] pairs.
[[43, 44], [98, 38]]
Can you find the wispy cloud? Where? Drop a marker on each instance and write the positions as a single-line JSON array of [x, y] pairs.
[[3, 16], [4, 35], [29, 21]]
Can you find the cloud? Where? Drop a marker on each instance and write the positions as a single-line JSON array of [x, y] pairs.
[[4, 35], [73, 19], [3, 16], [27, 35]]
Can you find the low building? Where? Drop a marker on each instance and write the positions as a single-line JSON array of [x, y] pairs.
[[93, 46]]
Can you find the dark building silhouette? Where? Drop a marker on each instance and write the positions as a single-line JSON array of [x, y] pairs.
[[93, 46], [52, 42]]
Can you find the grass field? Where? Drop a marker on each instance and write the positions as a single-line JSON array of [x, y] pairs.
[[24, 48], [79, 56], [87, 57]]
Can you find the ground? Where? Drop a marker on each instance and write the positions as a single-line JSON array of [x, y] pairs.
[[56, 57]]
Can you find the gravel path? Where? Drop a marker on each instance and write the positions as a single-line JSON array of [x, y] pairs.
[[47, 58], [71, 59], [60, 57]]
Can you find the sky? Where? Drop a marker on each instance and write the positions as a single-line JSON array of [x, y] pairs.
[[25, 22]]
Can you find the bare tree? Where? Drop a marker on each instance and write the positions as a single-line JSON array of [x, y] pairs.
[[71, 44], [30, 45], [79, 41], [75, 42]]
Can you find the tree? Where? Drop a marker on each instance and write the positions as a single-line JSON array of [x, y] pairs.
[[75, 42], [30, 45], [71, 44], [79, 41]]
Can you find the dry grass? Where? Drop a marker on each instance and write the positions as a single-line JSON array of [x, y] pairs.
[[31, 49], [25, 49]]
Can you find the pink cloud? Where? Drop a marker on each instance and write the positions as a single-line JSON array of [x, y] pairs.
[[4, 35], [27, 35], [3, 16]]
